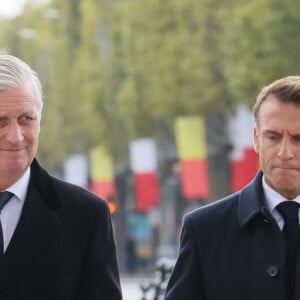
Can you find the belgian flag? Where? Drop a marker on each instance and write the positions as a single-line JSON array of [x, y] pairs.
[[192, 153], [102, 176]]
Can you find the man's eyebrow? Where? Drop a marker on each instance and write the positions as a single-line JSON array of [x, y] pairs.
[[264, 131]]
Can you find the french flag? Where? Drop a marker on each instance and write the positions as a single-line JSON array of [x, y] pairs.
[[244, 159], [144, 165], [76, 169]]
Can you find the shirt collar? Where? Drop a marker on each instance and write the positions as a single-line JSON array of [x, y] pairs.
[[273, 198], [20, 187]]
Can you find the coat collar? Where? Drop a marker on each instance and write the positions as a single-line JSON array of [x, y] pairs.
[[251, 201], [42, 180], [38, 224]]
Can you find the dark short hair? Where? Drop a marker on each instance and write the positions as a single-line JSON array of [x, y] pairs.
[[286, 89]]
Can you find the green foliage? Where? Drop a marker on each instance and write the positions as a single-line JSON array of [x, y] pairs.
[[117, 70], [261, 44]]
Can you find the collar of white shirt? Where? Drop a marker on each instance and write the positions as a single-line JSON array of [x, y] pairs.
[[272, 199], [11, 212], [19, 188]]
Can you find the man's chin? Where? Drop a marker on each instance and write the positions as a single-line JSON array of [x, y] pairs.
[[16, 168], [287, 189]]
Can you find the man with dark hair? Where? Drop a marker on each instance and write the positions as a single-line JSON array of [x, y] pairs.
[[246, 246]]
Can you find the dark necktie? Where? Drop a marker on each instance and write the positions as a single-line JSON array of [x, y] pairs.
[[4, 197], [291, 230]]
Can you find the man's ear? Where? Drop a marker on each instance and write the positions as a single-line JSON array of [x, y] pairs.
[[256, 139]]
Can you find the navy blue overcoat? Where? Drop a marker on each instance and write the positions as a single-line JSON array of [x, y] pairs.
[[231, 249]]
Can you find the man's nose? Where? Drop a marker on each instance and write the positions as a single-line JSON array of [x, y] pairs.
[[14, 133], [285, 150]]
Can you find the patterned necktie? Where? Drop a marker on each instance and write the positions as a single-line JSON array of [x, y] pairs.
[[291, 230], [4, 198]]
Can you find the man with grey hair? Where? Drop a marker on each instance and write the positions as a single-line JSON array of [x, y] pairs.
[[56, 239], [246, 246]]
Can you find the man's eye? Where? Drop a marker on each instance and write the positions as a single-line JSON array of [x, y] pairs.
[[3, 121], [271, 137], [26, 118]]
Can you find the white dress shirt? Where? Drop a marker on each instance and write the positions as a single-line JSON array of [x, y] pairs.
[[11, 212], [273, 199]]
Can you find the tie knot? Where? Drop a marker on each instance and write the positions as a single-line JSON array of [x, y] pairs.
[[4, 197], [289, 210]]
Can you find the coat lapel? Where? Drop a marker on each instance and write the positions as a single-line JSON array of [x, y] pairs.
[[37, 225], [251, 201]]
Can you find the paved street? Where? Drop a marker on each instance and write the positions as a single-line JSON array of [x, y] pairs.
[[131, 287]]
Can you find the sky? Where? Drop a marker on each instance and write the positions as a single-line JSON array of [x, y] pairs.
[[10, 8]]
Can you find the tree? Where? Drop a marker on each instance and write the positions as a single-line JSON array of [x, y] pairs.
[[261, 46]]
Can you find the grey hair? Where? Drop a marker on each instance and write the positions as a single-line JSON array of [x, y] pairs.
[[14, 72]]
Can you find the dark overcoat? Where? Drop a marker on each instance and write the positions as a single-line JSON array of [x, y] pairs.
[[231, 249], [63, 246]]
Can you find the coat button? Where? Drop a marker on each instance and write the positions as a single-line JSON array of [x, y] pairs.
[[272, 271]]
